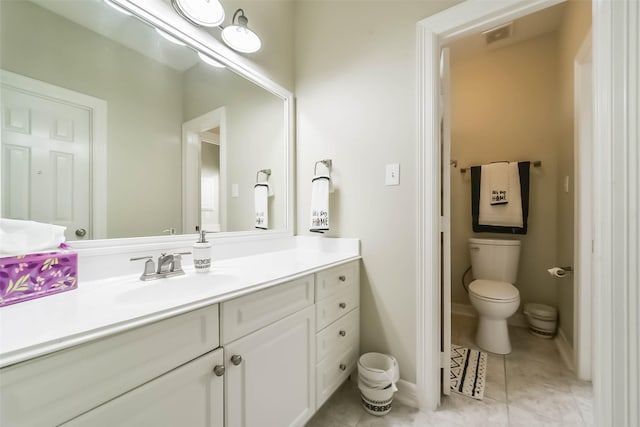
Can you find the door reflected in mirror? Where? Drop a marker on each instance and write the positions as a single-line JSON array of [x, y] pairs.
[[95, 108], [210, 180]]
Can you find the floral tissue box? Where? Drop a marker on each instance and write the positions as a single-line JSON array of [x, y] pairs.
[[26, 277]]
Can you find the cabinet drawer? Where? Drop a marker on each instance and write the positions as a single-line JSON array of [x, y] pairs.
[[249, 313], [330, 309], [191, 395], [339, 334], [55, 388], [333, 280], [333, 371]]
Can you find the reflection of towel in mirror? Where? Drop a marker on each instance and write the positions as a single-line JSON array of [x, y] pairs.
[[19, 237], [320, 204], [261, 203]]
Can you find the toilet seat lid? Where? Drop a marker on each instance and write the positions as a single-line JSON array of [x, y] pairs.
[[493, 290]]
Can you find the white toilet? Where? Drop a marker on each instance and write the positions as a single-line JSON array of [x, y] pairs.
[[494, 264]]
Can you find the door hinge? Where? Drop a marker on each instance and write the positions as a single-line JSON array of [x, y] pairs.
[[445, 362], [444, 224]]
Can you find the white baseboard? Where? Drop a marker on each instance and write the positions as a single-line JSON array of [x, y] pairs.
[[463, 309], [407, 393], [565, 349], [517, 319]]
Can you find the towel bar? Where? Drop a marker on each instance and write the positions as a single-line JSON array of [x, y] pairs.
[[536, 163], [267, 172], [326, 163]]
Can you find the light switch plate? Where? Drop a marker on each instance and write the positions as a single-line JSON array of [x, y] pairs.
[[234, 190], [392, 176]]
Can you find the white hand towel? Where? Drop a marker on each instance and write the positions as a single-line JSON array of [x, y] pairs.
[[497, 176], [505, 215], [19, 237], [320, 204], [261, 203]]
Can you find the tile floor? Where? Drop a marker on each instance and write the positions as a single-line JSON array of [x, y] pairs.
[[529, 387]]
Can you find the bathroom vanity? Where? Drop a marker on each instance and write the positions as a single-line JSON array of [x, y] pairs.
[[261, 340], [267, 335]]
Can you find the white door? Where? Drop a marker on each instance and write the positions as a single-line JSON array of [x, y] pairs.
[[191, 395], [270, 378], [45, 161], [445, 137], [583, 208], [210, 182]]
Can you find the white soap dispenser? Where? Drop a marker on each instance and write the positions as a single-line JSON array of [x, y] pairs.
[[202, 253]]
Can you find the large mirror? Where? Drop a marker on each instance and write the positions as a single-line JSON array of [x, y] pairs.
[[113, 130]]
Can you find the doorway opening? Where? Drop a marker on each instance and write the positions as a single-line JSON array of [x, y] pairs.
[[434, 33], [204, 169]]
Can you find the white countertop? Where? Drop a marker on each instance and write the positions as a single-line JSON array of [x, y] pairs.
[[103, 307]]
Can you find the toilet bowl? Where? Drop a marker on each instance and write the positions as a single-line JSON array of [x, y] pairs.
[[495, 302], [494, 264]]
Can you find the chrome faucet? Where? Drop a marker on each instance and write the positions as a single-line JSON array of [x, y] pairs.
[[169, 265], [165, 263]]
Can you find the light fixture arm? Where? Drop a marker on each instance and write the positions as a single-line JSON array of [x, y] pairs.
[[242, 19]]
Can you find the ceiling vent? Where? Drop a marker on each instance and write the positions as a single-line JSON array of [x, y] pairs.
[[502, 32]]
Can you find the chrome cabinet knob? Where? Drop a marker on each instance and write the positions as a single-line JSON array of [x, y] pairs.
[[219, 370], [81, 232], [342, 305], [343, 333], [236, 359], [342, 278], [343, 367]]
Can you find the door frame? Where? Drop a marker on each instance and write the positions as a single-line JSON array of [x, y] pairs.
[[616, 160], [191, 153], [97, 109], [471, 16]]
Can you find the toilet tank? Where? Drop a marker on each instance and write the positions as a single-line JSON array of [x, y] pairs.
[[495, 259]]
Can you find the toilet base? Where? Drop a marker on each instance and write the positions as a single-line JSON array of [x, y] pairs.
[[493, 336]]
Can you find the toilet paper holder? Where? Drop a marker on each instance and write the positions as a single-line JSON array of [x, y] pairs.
[[560, 271]]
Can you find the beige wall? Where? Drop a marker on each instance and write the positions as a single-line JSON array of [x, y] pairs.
[[575, 26], [504, 107], [145, 126], [355, 89]]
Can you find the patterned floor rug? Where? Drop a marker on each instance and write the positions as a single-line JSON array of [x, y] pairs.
[[468, 371]]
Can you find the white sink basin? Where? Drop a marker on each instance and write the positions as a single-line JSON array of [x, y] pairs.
[[174, 289]]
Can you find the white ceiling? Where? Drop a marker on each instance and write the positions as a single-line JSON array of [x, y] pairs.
[[128, 31], [528, 27]]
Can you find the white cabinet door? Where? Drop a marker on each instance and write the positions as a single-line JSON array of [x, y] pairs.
[[270, 378], [191, 395]]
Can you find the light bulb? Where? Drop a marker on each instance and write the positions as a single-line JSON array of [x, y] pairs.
[[208, 13], [239, 37]]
